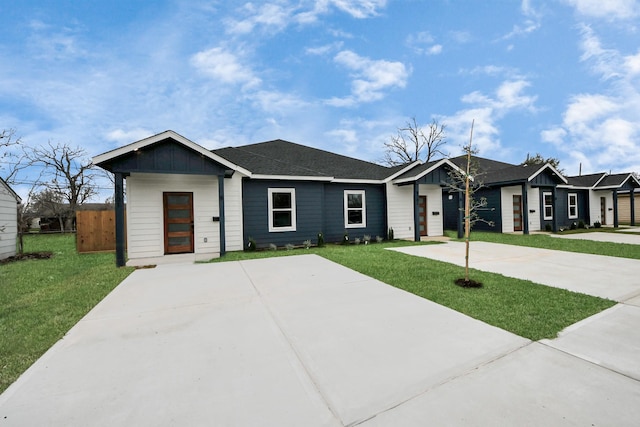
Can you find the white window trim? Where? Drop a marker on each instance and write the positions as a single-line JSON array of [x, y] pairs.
[[291, 191], [544, 205], [346, 209], [570, 205]]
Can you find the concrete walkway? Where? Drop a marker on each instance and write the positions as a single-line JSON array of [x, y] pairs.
[[302, 341], [622, 237]]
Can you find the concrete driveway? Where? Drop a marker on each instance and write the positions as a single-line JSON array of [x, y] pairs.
[[597, 236], [302, 341]]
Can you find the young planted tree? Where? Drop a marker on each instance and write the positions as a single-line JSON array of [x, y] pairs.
[[414, 143], [468, 182]]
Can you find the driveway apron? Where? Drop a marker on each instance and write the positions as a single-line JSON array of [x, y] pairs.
[[297, 341]]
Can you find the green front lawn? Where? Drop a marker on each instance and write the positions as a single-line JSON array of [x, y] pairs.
[[40, 300], [522, 307], [545, 241]]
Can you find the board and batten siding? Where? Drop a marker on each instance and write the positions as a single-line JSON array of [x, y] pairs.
[[145, 221], [435, 210], [233, 212], [594, 207], [400, 210], [8, 223]]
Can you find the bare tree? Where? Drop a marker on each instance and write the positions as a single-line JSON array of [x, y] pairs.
[[414, 143], [68, 174], [10, 162], [468, 182]]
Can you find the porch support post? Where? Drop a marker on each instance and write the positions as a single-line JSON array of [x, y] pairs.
[[416, 213], [223, 240], [633, 207], [615, 207], [119, 202], [460, 215], [554, 205], [525, 210]]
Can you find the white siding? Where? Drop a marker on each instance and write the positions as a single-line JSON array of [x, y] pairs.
[[400, 210], [400, 215], [233, 212], [8, 221], [435, 226], [506, 201], [594, 207], [533, 200], [145, 223]]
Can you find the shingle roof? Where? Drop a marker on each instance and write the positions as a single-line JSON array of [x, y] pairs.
[[283, 158], [585, 180], [496, 172], [615, 180]]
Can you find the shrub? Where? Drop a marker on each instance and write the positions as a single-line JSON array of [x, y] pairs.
[[307, 243], [573, 226], [597, 224], [320, 240], [356, 240], [390, 234], [289, 246], [273, 247], [547, 227], [345, 238], [379, 239], [366, 239], [581, 224]]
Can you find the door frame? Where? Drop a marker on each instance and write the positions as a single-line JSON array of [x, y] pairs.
[[519, 212], [422, 219], [179, 249]]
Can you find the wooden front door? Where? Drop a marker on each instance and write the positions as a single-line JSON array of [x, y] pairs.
[[603, 210], [422, 215], [517, 212], [178, 223]]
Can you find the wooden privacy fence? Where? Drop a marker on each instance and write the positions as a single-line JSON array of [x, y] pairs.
[[96, 231]]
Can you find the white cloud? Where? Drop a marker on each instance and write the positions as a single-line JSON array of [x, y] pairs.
[[224, 66], [423, 43], [602, 127], [123, 137], [370, 78], [486, 111], [609, 10]]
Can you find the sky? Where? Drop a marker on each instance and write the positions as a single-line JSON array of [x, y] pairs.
[[555, 77]]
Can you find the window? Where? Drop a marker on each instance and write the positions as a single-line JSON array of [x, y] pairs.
[[355, 210], [547, 205], [573, 206], [282, 209]]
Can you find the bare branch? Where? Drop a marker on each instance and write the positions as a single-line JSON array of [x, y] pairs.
[[412, 143]]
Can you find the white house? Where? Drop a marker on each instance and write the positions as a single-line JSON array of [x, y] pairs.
[[8, 220]]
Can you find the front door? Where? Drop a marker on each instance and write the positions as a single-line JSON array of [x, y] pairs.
[[603, 210], [178, 223], [422, 215], [517, 212]]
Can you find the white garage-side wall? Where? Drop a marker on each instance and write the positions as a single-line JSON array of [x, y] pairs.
[[533, 204], [435, 213], [233, 212], [145, 222], [533, 200], [594, 207], [400, 210], [506, 201], [8, 223]]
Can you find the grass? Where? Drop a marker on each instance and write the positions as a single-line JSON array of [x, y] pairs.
[[545, 241], [40, 300], [522, 307]]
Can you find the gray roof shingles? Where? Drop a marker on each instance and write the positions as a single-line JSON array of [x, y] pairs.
[[283, 158]]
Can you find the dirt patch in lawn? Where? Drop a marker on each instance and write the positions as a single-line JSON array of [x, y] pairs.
[[30, 255]]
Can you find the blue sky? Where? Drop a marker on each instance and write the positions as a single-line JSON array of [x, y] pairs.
[[558, 77]]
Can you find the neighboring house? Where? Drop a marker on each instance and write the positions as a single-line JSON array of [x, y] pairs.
[[9, 201], [182, 198]]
